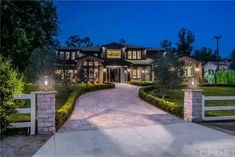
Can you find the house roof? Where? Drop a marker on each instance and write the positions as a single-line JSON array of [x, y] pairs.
[[120, 45], [84, 49], [90, 57], [220, 63]]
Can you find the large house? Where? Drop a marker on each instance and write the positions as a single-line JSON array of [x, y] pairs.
[[116, 62], [113, 62]]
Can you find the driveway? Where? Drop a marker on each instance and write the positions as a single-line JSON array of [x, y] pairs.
[[116, 123], [115, 108]]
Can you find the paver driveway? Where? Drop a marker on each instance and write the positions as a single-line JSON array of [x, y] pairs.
[[116, 123], [119, 107]]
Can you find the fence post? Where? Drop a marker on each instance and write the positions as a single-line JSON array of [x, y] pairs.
[[193, 105], [46, 112], [33, 115]]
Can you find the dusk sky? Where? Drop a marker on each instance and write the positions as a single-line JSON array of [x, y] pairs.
[[147, 23]]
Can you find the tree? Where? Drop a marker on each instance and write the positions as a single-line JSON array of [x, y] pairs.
[[232, 65], [167, 45], [204, 54], [76, 41], [10, 85], [122, 41], [186, 39], [27, 25], [42, 62], [167, 73]]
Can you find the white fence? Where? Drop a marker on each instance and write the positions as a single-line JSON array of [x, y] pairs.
[[30, 111], [217, 108]]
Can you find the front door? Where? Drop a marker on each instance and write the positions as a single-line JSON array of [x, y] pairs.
[[113, 74]]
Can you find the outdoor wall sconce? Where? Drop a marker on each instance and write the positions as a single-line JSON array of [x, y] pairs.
[[104, 70], [128, 70], [125, 71], [197, 69], [142, 71]]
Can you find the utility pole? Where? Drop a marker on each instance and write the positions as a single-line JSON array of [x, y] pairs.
[[217, 38]]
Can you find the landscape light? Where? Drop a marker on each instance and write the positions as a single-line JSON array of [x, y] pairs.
[[45, 81]]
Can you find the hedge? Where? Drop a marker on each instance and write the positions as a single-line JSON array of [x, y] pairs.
[[216, 85], [161, 103], [141, 83], [225, 76], [64, 112]]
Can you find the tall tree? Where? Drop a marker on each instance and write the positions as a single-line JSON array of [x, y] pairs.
[[204, 54], [167, 72], [186, 39], [232, 65], [167, 45], [76, 41], [26, 25], [122, 41]]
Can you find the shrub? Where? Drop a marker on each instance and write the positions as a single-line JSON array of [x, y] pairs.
[[11, 84], [141, 83], [64, 112], [216, 85], [225, 77], [161, 103]]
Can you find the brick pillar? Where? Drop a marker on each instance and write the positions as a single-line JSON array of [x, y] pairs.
[[46, 112], [193, 105]]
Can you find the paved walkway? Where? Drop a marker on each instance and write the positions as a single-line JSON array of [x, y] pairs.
[[115, 108], [116, 123]]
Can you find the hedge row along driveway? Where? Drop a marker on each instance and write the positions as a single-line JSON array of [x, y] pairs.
[[112, 108]]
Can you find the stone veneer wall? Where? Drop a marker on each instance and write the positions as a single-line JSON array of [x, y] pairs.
[[46, 112], [192, 105]]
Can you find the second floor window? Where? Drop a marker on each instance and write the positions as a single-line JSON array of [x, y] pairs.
[[67, 55], [61, 55], [134, 55], [113, 53], [73, 55]]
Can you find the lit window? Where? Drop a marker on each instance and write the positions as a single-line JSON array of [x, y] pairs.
[[73, 55], [90, 63], [138, 73], [96, 63], [84, 63], [134, 54], [67, 55], [61, 55], [113, 53], [129, 55], [138, 54], [134, 75], [188, 71]]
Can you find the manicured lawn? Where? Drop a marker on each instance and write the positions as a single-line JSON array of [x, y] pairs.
[[177, 96]]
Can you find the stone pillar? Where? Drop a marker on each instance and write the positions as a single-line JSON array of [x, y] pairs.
[[193, 105], [46, 112]]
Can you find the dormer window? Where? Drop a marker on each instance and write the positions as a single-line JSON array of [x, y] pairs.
[[67, 55], [61, 55], [134, 55], [113, 53]]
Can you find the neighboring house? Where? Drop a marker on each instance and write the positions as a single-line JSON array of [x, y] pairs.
[[211, 67], [113, 62], [192, 69]]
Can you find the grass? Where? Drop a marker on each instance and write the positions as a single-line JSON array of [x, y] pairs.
[[177, 96]]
